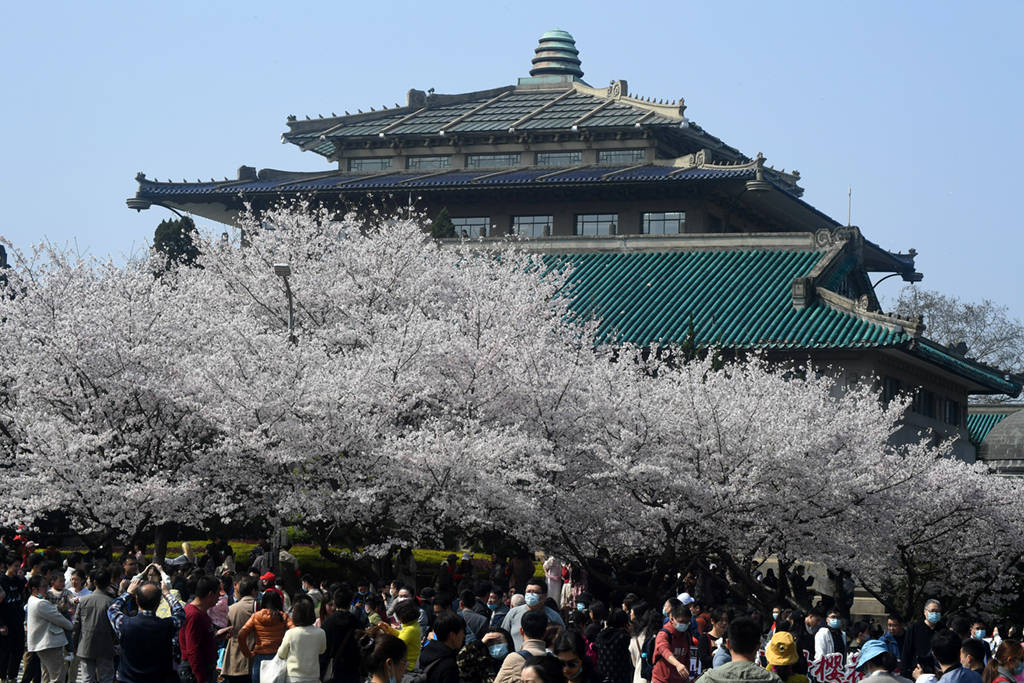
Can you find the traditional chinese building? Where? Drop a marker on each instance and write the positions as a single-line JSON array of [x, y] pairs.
[[670, 228]]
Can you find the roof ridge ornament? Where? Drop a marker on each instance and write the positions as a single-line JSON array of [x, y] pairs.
[[670, 110], [618, 89]]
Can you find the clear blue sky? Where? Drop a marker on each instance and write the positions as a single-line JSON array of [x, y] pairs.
[[914, 104]]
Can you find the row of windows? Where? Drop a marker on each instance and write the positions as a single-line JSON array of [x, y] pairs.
[[924, 402], [506, 160], [654, 223]]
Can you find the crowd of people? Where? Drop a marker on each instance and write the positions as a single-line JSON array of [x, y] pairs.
[[207, 618]]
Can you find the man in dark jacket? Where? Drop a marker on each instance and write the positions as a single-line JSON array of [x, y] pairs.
[[12, 617], [438, 656], [146, 651], [917, 645], [342, 642], [93, 634], [478, 625]]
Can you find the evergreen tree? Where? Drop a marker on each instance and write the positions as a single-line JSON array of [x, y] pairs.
[[442, 225], [175, 239]]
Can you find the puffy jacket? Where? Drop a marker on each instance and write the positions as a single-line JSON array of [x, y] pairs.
[[268, 630]]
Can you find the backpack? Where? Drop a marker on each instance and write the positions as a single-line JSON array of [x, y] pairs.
[[419, 675], [647, 655]]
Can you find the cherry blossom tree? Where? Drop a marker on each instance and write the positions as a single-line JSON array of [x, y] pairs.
[[695, 466], [420, 381], [429, 391], [89, 428]]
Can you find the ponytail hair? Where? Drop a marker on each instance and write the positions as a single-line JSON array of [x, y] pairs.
[[1007, 652]]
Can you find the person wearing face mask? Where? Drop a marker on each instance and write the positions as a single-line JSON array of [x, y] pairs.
[[974, 654], [1006, 663], [383, 655], [946, 651], [979, 632], [666, 609], [672, 649], [805, 627], [831, 637], [917, 643], [534, 603], [496, 608], [532, 628]]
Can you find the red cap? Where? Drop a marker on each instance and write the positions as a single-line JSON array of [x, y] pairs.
[[269, 576]]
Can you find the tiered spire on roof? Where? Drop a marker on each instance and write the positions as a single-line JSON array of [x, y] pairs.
[[556, 55]]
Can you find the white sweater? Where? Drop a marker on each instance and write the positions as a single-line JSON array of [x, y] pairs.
[[301, 649]]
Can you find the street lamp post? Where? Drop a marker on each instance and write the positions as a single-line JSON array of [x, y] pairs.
[[284, 270]]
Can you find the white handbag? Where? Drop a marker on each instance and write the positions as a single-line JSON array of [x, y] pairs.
[[273, 670]]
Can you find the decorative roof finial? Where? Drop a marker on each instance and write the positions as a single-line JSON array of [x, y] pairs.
[[556, 55]]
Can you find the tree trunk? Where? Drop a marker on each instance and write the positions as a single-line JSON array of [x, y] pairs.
[[160, 544]]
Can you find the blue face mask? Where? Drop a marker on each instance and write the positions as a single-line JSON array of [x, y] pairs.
[[1018, 670], [532, 599], [498, 651], [682, 627], [833, 623], [492, 605], [664, 612], [934, 617], [979, 634], [580, 607]]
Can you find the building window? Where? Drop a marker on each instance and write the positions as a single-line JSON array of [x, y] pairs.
[[370, 164], [923, 403], [665, 223], [532, 226], [621, 156], [429, 162], [597, 223], [474, 226], [890, 389], [492, 160], [559, 158], [951, 412]]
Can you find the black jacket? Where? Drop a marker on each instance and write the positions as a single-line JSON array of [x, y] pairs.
[[917, 647], [342, 646], [446, 670], [614, 663]]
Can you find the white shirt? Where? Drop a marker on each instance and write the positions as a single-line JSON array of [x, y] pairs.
[[301, 648]]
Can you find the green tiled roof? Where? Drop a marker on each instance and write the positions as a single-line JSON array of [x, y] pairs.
[[963, 366], [980, 424], [739, 299]]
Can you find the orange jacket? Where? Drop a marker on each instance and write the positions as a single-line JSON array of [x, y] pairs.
[[267, 630]]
